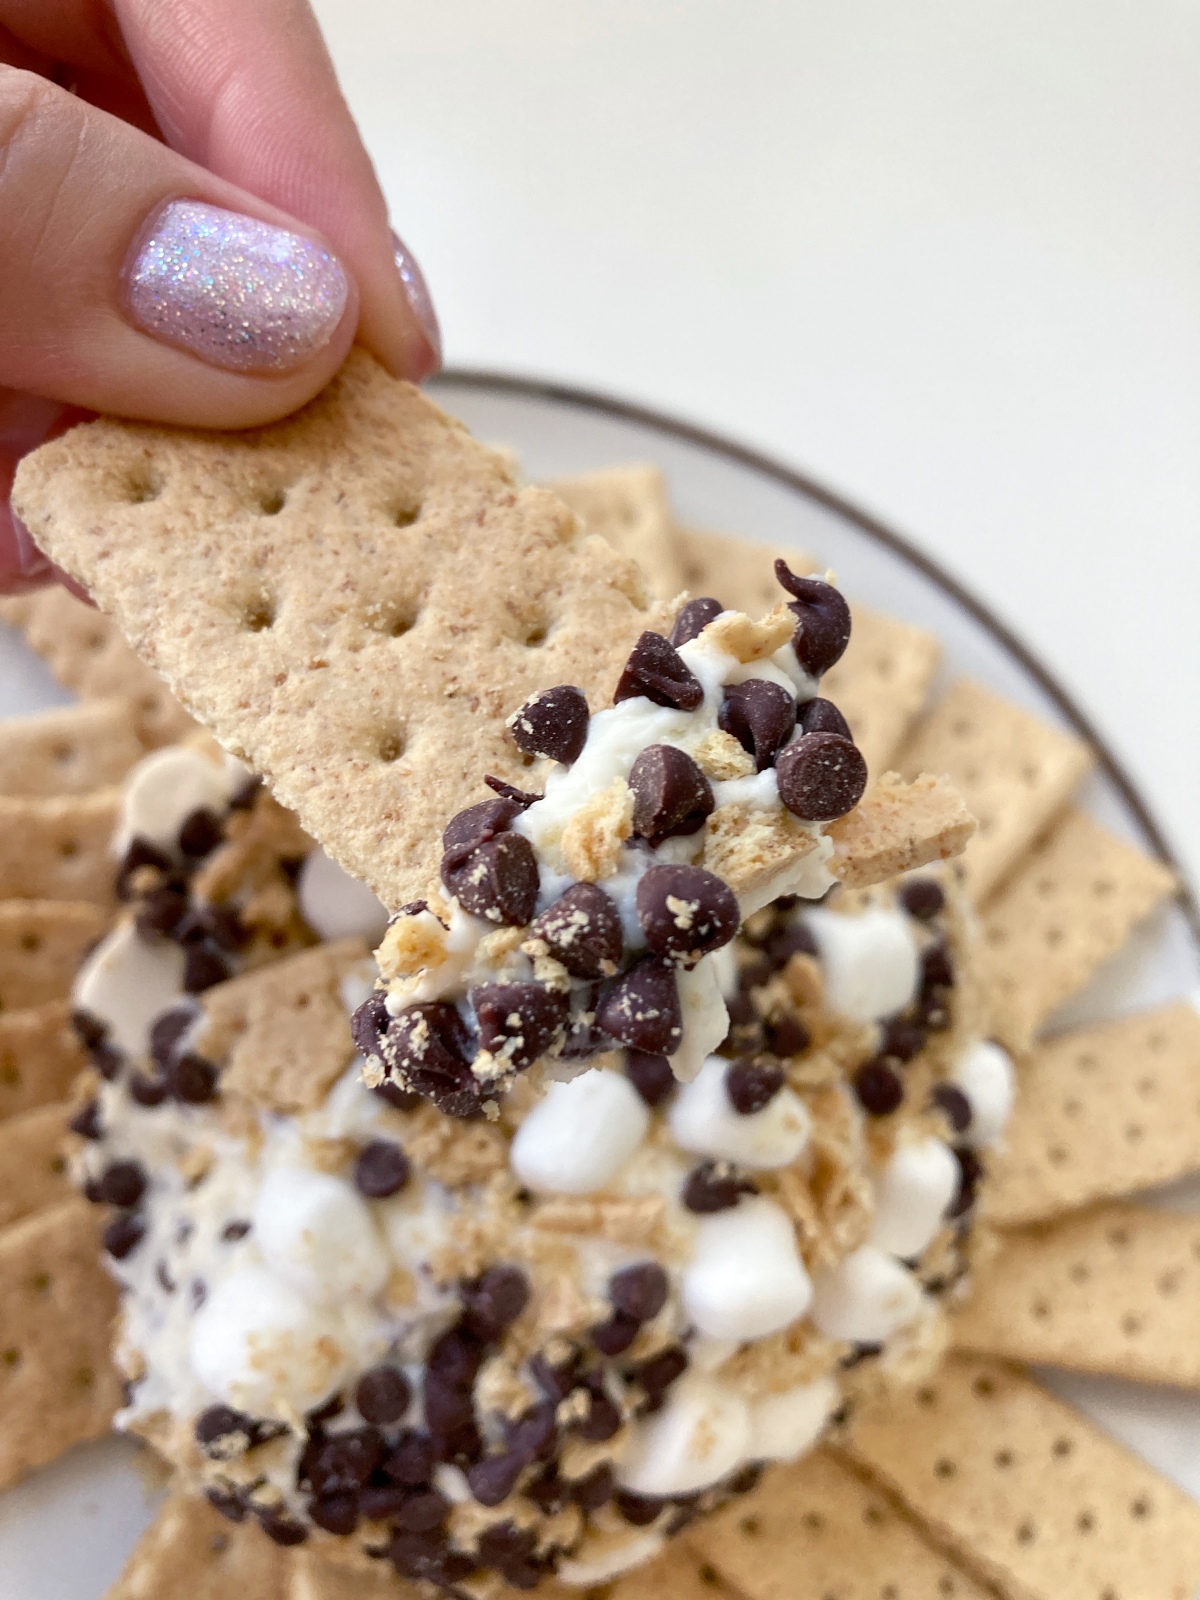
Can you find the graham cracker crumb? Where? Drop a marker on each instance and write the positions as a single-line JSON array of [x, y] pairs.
[[720, 757], [748, 847], [738, 635], [592, 840]]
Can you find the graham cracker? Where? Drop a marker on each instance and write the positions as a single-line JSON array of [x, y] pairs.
[[58, 848], [311, 1578], [353, 600], [191, 1552], [42, 943], [680, 1573], [1072, 904], [58, 1386], [71, 750], [740, 573], [1103, 1111], [881, 683], [86, 652], [819, 1519], [1015, 772], [1029, 1493], [33, 1169], [899, 826], [628, 507], [280, 1033], [1114, 1290], [40, 1057]]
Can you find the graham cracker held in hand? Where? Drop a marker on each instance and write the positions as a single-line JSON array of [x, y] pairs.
[[86, 652], [189, 1552], [1072, 904], [42, 943], [40, 1057], [33, 1169], [1103, 1111], [819, 1522], [899, 826], [59, 849], [1029, 1493], [58, 1386], [1014, 771], [628, 507], [72, 750], [1114, 1290]]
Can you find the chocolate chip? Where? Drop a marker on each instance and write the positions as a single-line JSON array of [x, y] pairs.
[[596, 1490], [548, 1492], [760, 715], [383, 1394], [553, 723], [822, 716], [344, 1461], [641, 1009], [422, 1511], [821, 776], [87, 1122], [494, 1301], [148, 1092], [89, 1029], [161, 912], [583, 931], [479, 823], [410, 1460], [535, 1432], [658, 1374], [511, 1551], [714, 1186], [863, 1351], [902, 1039], [336, 1513], [396, 1097], [694, 618], [970, 1172], [937, 968], [746, 1479], [246, 794], [639, 1291], [325, 1412], [602, 1421], [141, 853], [922, 898], [657, 670], [638, 1509], [752, 1085], [879, 1089], [950, 1099], [201, 833], [228, 1502], [507, 791], [193, 1080], [222, 1432], [650, 1075], [425, 1048], [203, 968], [495, 1477], [121, 1184], [379, 1501], [167, 1030], [671, 796], [614, 1336], [455, 1357], [793, 940], [381, 1169], [787, 1036], [497, 880], [281, 1529], [123, 1235], [556, 1381], [823, 620], [447, 1407], [425, 1556], [685, 912], [235, 1230], [518, 1022]]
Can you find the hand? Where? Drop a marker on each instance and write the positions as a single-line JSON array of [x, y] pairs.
[[193, 232]]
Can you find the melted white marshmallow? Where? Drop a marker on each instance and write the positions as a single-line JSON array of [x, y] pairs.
[[701, 1435], [869, 962], [316, 1232], [707, 1020], [166, 787], [600, 1559], [911, 1195], [985, 1075], [866, 1298], [745, 1278], [335, 905], [579, 1134], [127, 982], [703, 1119], [784, 1426]]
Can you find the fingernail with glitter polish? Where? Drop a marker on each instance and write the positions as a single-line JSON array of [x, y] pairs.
[[420, 301], [234, 291]]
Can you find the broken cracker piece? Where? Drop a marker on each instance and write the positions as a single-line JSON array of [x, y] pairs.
[[740, 636], [899, 826]]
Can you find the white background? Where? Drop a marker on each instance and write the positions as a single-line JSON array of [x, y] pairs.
[[942, 254]]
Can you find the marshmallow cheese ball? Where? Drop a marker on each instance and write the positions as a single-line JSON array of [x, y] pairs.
[[648, 1166]]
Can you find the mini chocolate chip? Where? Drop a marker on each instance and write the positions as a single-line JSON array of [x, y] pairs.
[[686, 912], [141, 853], [694, 618], [479, 823], [228, 1502], [425, 1556], [225, 1428], [381, 1169], [336, 1513], [714, 1186], [822, 716], [553, 723], [447, 1406], [902, 1040], [518, 1022], [88, 1029], [746, 1479], [795, 939], [970, 1171], [410, 1460], [379, 1501], [548, 1492], [937, 968], [494, 1300], [325, 1412], [193, 1079], [383, 1394], [107, 1060], [583, 931], [760, 715], [658, 1374], [862, 1352], [535, 1432], [650, 1075], [602, 1421], [497, 880], [639, 1291], [167, 1030], [201, 833], [751, 1085], [879, 1089], [922, 898], [246, 794], [122, 1184], [787, 1036], [594, 1491], [145, 1091], [345, 1461], [203, 968], [638, 1509], [556, 1381], [425, 1048], [821, 776], [235, 1230], [614, 1336], [641, 1009], [823, 620], [123, 1235], [87, 1122], [950, 1099], [281, 1529], [161, 912], [422, 1511], [396, 1097], [508, 791], [671, 796], [455, 1357], [495, 1477], [657, 670]]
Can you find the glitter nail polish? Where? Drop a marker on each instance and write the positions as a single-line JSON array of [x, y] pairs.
[[234, 291], [420, 301]]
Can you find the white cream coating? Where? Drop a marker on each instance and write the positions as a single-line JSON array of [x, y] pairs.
[[127, 982], [335, 905], [985, 1075], [745, 1278], [703, 1004], [318, 1234], [167, 786], [912, 1193], [783, 1427], [701, 1435], [702, 1118], [866, 1298], [579, 1134], [869, 962], [602, 1559]]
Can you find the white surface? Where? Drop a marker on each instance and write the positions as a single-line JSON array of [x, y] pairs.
[[944, 256]]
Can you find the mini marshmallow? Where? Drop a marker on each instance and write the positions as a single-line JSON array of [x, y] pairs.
[[601, 1557], [745, 1278], [127, 982], [784, 1426], [869, 962], [703, 1119], [700, 1436], [166, 787], [911, 1195], [985, 1075], [316, 1232], [579, 1134], [337, 906], [706, 1021], [866, 1298]]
